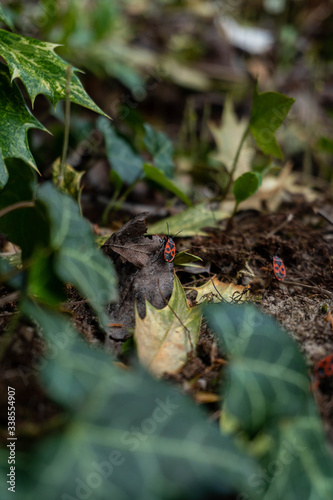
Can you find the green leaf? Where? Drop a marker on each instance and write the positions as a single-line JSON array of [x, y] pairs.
[[246, 185], [124, 424], [15, 121], [5, 19], [302, 462], [267, 400], [161, 148], [267, 377], [41, 70], [190, 221], [124, 161], [184, 258], [27, 227], [78, 260], [268, 112], [42, 283], [153, 174], [165, 337]]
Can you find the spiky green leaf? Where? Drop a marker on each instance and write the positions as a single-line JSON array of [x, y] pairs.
[[15, 121], [41, 70]]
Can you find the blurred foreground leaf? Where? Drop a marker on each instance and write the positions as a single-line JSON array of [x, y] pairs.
[[128, 436], [77, 258], [268, 403]]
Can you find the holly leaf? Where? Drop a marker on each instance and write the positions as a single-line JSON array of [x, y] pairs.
[[41, 70], [215, 290], [227, 136], [163, 336], [15, 121], [268, 112]]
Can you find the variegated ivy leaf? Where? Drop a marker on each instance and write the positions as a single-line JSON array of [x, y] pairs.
[[15, 121], [41, 70]]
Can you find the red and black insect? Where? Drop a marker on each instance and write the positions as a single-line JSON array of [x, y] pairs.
[[278, 268], [170, 247], [323, 369]]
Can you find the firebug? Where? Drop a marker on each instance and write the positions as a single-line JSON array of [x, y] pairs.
[[323, 369], [170, 247], [278, 268]]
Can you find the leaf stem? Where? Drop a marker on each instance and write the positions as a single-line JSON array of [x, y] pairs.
[[67, 123], [15, 206], [236, 158]]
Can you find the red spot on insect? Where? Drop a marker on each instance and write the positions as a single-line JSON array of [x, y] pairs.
[[278, 268], [323, 369], [169, 250]]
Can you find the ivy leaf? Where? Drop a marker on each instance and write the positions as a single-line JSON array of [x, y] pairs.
[[267, 400], [162, 337], [15, 121], [5, 19], [121, 425], [298, 447], [78, 260], [161, 149], [124, 161], [41, 70], [27, 227], [156, 175], [268, 376], [268, 112], [246, 185]]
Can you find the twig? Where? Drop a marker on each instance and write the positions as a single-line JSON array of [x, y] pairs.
[[278, 228]]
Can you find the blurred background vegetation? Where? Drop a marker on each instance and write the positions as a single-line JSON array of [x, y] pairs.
[[172, 63]]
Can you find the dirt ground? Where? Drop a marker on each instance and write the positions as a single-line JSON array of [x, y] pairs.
[[301, 234]]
